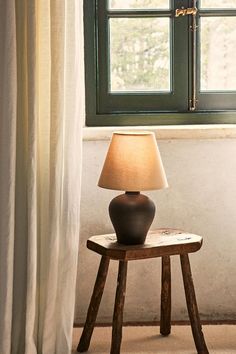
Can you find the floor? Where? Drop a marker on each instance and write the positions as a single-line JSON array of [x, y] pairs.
[[220, 339]]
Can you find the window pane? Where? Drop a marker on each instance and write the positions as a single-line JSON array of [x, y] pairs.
[[218, 53], [138, 4], [139, 54], [218, 4]]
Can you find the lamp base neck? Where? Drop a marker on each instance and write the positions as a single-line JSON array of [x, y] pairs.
[[132, 193]]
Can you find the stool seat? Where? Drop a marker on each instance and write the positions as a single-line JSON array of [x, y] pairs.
[[162, 243], [158, 243]]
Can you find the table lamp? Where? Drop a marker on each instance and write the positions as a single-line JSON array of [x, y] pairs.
[[133, 164]]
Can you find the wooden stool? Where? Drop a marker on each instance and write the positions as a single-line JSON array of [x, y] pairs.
[[159, 243]]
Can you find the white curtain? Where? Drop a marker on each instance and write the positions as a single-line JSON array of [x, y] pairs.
[[41, 114]]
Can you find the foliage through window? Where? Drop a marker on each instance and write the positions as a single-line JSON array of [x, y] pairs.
[[148, 64]]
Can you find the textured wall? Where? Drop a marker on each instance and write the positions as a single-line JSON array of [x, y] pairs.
[[201, 199]]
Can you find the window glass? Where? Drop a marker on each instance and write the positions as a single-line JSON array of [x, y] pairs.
[[218, 53], [138, 4], [139, 54], [218, 4]]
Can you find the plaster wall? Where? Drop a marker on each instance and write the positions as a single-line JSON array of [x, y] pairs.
[[201, 198]]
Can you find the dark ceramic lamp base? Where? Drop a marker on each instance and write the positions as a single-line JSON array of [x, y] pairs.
[[131, 214]]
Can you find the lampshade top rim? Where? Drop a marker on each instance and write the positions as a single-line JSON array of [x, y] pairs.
[[143, 132]]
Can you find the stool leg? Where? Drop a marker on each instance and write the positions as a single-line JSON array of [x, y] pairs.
[[165, 323], [192, 306], [118, 308], [94, 305]]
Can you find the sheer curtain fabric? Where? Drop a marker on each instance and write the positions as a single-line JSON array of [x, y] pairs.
[[41, 114]]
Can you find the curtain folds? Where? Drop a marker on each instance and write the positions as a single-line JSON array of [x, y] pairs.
[[41, 115]]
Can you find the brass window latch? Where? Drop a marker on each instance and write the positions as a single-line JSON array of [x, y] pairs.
[[184, 12], [193, 101]]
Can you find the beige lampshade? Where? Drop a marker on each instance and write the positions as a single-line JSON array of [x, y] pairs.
[[133, 163]]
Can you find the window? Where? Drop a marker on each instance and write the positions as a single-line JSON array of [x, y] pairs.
[[160, 61]]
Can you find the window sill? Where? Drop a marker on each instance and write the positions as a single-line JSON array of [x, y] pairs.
[[210, 131]]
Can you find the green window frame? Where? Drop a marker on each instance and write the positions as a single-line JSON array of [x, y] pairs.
[[105, 108]]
